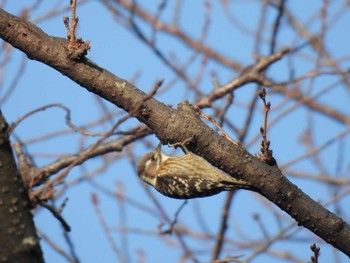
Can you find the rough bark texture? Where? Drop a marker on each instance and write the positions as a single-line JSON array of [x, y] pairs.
[[18, 239], [177, 125]]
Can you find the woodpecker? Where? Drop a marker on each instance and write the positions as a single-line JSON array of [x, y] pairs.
[[185, 177]]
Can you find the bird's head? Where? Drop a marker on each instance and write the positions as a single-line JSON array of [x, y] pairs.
[[148, 166]]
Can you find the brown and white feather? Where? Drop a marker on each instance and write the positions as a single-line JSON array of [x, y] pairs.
[[185, 177]]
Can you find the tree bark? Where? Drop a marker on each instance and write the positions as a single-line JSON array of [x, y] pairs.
[[18, 239]]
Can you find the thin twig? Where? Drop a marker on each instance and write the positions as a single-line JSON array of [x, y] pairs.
[[172, 224], [56, 214]]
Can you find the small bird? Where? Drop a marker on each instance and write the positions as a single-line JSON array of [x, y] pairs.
[[185, 177]]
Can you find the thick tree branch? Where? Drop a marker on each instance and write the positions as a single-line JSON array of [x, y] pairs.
[[18, 239], [172, 126]]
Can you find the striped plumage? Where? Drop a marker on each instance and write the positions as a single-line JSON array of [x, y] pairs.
[[185, 177]]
